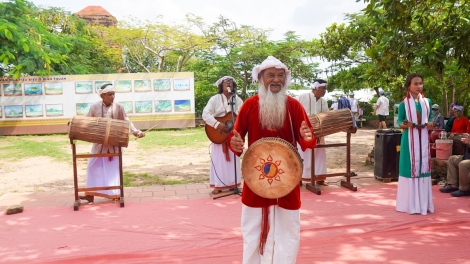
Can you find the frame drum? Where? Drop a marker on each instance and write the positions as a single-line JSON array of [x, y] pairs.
[[272, 167]]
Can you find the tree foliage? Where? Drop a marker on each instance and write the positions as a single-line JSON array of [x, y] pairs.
[[391, 39], [26, 45]]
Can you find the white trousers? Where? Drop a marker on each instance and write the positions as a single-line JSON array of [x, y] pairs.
[[283, 240]]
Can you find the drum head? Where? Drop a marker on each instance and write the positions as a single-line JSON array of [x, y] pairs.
[[272, 167]]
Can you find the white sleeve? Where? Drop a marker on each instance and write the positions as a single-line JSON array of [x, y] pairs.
[[209, 111]]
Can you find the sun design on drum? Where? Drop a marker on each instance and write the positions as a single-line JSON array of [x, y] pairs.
[[270, 170]]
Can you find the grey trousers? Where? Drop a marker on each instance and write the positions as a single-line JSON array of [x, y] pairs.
[[458, 172]]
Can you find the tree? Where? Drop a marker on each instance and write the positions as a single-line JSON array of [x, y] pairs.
[[153, 46], [27, 47]]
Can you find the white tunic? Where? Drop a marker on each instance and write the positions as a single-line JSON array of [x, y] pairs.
[[222, 172], [312, 106]]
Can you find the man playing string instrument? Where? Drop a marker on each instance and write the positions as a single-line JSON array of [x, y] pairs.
[[104, 171], [271, 227], [222, 171]]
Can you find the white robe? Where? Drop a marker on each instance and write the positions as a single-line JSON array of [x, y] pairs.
[[102, 172], [312, 106], [222, 172]]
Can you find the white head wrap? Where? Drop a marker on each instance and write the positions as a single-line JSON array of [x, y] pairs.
[[270, 62], [316, 85], [458, 107], [107, 89], [219, 81]]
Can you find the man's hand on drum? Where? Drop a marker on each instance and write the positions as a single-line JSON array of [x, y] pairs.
[[222, 128], [236, 143], [305, 131]]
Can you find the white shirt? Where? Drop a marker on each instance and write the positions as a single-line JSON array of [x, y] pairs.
[[311, 105], [382, 104], [354, 104], [217, 107], [334, 106]]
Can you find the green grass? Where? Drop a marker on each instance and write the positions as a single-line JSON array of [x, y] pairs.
[[19, 147], [146, 179], [191, 138]]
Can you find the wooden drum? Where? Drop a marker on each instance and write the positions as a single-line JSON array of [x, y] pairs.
[[100, 130], [327, 123], [272, 167]]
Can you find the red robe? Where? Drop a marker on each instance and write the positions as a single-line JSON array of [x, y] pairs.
[[248, 122]]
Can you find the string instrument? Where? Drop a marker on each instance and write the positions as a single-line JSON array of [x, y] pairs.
[[220, 137]]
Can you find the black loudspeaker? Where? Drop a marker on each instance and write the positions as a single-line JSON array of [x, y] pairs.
[[387, 153]]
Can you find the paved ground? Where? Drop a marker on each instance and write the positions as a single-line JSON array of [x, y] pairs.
[[156, 193]]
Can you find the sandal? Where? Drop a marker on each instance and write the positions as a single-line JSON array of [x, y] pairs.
[[214, 192], [322, 183], [89, 198], [352, 174]]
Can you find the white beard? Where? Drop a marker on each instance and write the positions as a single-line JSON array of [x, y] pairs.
[[272, 106]]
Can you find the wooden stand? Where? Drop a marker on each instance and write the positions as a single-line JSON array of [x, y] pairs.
[[346, 184], [76, 204]]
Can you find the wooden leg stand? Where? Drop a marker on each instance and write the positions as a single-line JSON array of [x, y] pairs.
[[76, 204], [346, 184]]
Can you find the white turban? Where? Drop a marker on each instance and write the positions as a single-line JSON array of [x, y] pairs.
[[107, 89], [270, 62], [458, 107], [316, 85], [219, 81]]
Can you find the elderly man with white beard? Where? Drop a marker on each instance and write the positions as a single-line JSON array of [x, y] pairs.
[[271, 227]]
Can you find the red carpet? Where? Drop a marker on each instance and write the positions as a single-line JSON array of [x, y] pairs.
[[337, 227]]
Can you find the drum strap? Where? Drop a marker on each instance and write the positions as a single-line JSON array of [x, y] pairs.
[[291, 129]]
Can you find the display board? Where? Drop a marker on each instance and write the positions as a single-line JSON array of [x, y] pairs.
[[41, 105]]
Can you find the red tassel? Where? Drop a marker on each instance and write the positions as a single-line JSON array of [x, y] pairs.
[[264, 229], [408, 95]]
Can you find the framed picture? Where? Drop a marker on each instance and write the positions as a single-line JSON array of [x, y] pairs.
[[180, 84], [12, 89], [182, 105], [163, 106], [161, 84], [127, 107], [83, 87], [98, 84], [13, 111], [34, 110], [143, 106], [83, 108], [142, 86], [32, 89], [53, 88], [123, 86], [54, 109]]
